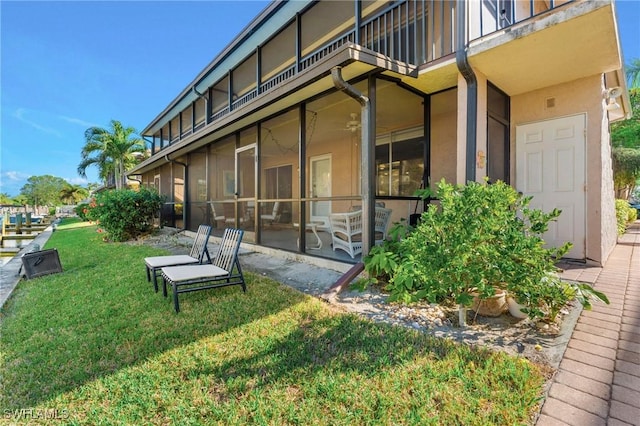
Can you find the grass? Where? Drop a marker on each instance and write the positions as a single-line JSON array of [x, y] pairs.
[[96, 344]]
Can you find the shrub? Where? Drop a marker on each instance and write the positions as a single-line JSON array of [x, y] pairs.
[[82, 210], [625, 214], [124, 213], [480, 238]]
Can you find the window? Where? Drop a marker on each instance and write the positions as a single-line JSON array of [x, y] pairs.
[[399, 167], [220, 97], [200, 113], [156, 143], [497, 135], [186, 120]]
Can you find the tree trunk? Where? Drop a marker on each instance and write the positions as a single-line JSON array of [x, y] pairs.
[[118, 175]]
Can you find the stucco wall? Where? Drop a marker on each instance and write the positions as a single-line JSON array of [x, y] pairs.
[[443, 148], [583, 96], [609, 230]]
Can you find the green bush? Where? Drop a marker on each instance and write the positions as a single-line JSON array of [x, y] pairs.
[[82, 210], [625, 214], [479, 239], [124, 213]]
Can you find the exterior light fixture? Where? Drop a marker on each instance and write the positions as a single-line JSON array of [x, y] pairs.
[[610, 95]]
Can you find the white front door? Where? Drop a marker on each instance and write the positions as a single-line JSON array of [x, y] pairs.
[[550, 166], [320, 188]]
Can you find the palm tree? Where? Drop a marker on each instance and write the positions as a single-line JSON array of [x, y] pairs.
[[113, 151], [71, 194], [633, 74]]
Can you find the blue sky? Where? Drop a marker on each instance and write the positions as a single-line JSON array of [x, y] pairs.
[[69, 65]]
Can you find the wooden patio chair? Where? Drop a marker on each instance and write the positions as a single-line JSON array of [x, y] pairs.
[[196, 255], [223, 271]]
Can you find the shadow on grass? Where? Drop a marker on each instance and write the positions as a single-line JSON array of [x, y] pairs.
[[345, 366], [242, 352], [100, 315]]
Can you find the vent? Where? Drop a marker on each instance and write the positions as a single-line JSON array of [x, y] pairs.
[[550, 103]]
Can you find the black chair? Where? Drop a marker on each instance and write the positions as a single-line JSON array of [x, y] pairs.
[[223, 271], [196, 255]]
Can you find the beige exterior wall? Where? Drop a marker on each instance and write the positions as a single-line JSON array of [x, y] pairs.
[[461, 145], [443, 148], [609, 229], [481, 129], [582, 96]]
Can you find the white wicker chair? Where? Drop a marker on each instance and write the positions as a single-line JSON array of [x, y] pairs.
[[346, 232], [346, 229], [217, 211], [383, 216], [275, 214]]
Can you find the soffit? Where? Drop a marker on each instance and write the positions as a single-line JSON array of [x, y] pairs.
[[434, 77], [567, 45]]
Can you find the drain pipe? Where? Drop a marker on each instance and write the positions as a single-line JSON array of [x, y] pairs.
[[186, 190], [472, 89], [367, 160]]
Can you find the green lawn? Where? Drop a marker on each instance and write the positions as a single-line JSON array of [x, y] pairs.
[[99, 346]]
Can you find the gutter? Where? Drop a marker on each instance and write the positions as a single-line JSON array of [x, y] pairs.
[[367, 159], [186, 189], [462, 61]]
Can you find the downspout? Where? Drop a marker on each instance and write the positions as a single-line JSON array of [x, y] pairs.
[[472, 90], [367, 160], [186, 190]]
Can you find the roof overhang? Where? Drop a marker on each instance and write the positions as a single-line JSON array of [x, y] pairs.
[[574, 41], [355, 62], [274, 16]]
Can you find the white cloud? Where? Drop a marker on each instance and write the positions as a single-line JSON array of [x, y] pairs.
[[77, 181], [77, 121], [16, 176], [21, 113]]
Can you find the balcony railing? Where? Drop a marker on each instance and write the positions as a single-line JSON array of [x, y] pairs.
[[489, 16], [411, 31]]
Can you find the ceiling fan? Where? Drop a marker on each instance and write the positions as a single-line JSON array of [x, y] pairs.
[[354, 124]]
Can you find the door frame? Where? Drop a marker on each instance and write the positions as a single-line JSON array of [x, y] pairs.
[[583, 145], [312, 161], [238, 198]]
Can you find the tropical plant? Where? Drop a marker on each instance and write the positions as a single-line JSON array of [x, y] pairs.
[[20, 200], [625, 139], [625, 215], [113, 151], [81, 210], [71, 194], [480, 238], [633, 74], [124, 213], [5, 198]]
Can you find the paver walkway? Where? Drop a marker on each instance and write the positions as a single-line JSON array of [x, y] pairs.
[[598, 380]]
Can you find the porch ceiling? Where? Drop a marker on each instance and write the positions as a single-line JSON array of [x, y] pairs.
[[577, 42], [434, 77]]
